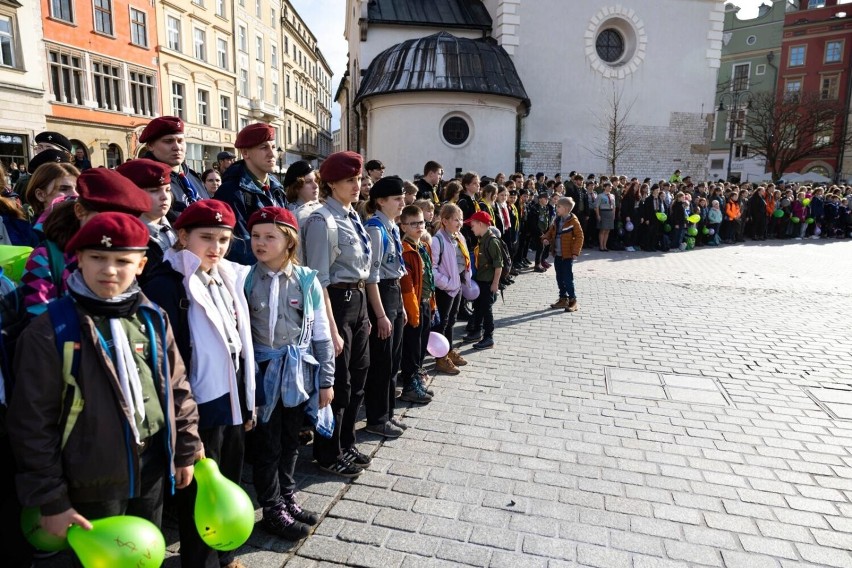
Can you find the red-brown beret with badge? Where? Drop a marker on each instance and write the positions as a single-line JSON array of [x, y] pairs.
[[277, 215], [254, 135], [341, 165], [146, 173], [160, 127], [110, 231], [206, 213], [102, 190]]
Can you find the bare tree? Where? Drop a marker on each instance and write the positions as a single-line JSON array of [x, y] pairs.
[[616, 133], [786, 129]]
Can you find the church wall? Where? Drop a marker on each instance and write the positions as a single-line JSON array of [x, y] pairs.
[[404, 131], [670, 80]]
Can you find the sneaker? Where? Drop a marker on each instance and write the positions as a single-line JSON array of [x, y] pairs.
[[514, 272], [354, 456], [296, 511], [445, 365], [526, 262], [421, 378], [562, 303], [486, 343], [545, 264], [397, 392], [572, 305], [415, 393], [388, 430], [472, 336], [630, 249], [399, 423], [456, 358], [343, 468], [539, 269], [278, 521]]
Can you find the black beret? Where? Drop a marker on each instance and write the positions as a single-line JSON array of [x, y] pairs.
[[46, 157], [387, 187], [295, 171], [54, 138]]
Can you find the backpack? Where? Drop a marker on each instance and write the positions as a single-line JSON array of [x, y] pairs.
[[377, 223], [506, 256]]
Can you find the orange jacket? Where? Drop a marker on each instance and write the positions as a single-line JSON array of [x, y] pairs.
[[732, 210], [571, 235], [770, 204], [411, 285]]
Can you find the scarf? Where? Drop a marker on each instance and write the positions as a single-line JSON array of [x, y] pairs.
[[122, 306]]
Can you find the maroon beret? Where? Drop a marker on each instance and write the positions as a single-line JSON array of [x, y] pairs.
[[102, 190], [161, 126], [254, 135], [341, 165], [277, 215], [110, 231], [146, 173], [206, 213]]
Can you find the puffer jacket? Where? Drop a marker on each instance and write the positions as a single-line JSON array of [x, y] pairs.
[[570, 234], [444, 266], [100, 460]]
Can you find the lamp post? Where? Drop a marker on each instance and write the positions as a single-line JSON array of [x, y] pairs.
[[280, 162], [735, 98]]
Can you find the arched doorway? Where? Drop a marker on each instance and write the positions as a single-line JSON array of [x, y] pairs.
[[78, 145], [114, 156]]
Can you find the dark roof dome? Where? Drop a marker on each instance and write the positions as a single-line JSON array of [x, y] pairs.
[[468, 14], [443, 62]]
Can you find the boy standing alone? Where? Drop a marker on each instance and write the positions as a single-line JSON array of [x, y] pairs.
[[489, 268], [566, 233]]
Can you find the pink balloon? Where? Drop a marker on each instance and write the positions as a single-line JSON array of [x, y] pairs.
[[470, 290], [438, 345]]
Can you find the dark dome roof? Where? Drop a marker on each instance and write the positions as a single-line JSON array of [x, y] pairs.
[[443, 62]]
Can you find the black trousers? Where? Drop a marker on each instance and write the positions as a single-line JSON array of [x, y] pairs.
[[448, 309], [414, 343], [17, 552], [350, 372], [385, 356], [276, 450], [225, 445], [483, 315]]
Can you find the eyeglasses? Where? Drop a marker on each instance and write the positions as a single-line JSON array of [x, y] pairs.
[[416, 224]]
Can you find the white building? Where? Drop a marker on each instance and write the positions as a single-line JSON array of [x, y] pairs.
[[501, 85], [22, 79]]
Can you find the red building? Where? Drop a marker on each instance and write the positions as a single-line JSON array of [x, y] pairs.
[[816, 52]]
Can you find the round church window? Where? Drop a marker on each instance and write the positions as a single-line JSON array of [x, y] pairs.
[[456, 131], [610, 45]]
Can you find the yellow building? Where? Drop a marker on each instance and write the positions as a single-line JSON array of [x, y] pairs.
[[197, 74]]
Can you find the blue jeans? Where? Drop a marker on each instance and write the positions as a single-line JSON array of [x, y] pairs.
[[565, 277], [677, 237]]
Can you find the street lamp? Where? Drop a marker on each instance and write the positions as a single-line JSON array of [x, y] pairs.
[[735, 98], [280, 162]]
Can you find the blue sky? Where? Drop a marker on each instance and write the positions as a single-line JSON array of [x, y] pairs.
[[325, 18]]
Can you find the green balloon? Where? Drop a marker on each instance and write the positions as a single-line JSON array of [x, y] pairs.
[[662, 217], [694, 218], [778, 213], [806, 201], [224, 514], [116, 542], [795, 220], [667, 228], [692, 231], [810, 220], [705, 231], [37, 536]]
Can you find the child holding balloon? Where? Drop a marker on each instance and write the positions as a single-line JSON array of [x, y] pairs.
[[105, 422], [418, 290], [292, 343]]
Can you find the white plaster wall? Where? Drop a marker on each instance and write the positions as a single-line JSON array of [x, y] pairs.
[[404, 132], [677, 73], [24, 94]]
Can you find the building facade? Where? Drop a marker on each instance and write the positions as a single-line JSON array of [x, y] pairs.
[[325, 140], [551, 120], [22, 80], [102, 78], [751, 52], [815, 58], [197, 67]]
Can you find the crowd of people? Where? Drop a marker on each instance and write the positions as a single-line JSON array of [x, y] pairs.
[[164, 316]]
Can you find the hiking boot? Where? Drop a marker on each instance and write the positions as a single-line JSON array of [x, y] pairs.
[[572, 305], [415, 393], [445, 365], [562, 303], [296, 511], [486, 343], [388, 430], [354, 456], [456, 358], [343, 468], [278, 521]]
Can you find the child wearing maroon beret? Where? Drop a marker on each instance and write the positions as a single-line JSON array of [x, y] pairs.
[[101, 420]]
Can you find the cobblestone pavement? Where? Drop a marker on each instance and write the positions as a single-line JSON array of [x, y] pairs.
[[693, 412]]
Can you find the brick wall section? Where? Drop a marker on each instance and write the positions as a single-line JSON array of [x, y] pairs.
[[541, 157]]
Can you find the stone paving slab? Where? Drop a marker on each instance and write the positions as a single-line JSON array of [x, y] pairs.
[[526, 459]]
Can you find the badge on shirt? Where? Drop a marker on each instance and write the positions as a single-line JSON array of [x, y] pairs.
[[140, 348]]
